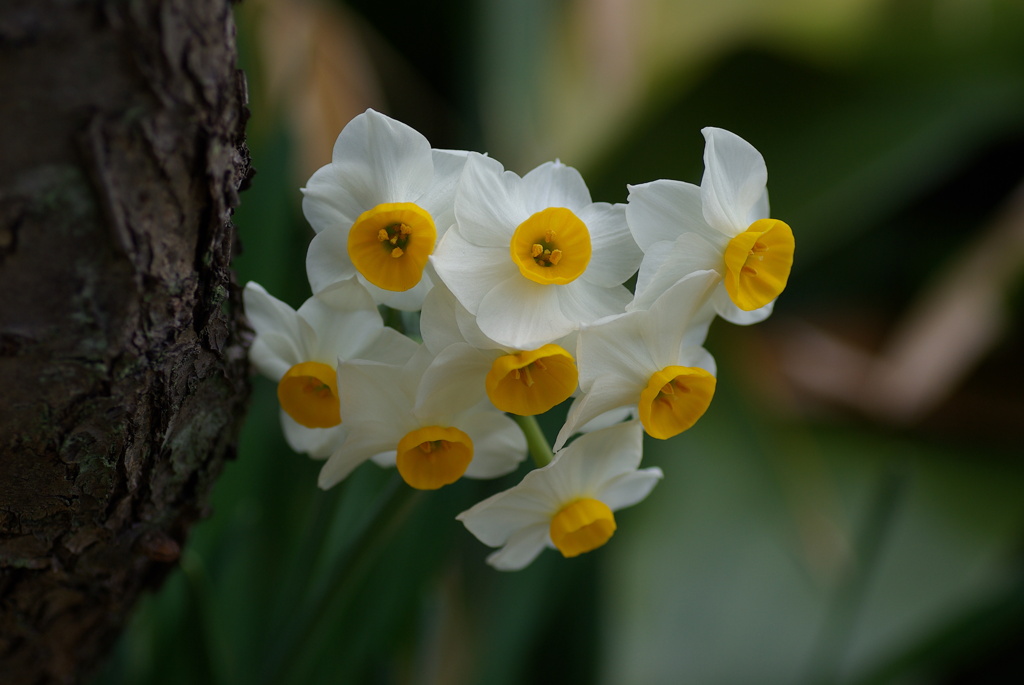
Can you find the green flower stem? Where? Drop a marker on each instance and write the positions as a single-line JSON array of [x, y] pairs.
[[540, 450]]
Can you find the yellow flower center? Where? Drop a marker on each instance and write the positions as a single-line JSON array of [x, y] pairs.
[[757, 263], [530, 383], [552, 247], [389, 244], [308, 392], [581, 526], [431, 457], [674, 399]]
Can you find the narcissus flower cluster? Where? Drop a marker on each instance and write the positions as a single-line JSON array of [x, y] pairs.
[[519, 285]]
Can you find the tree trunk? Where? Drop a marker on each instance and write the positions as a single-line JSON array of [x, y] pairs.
[[123, 376]]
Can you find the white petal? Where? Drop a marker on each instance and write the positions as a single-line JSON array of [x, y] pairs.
[[327, 260], [521, 549], [659, 271], [390, 347], [266, 313], [494, 520], [439, 326], [385, 460], [661, 210], [695, 336], [470, 330], [734, 181], [554, 184], [614, 348], [615, 255], [607, 394], [318, 443], [383, 160], [674, 318], [358, 448], [346, 296], [280, 337], [410, 300], [499, 446], [759, 210], [328, 201], [444, 321], [656, 257], [412, 372], [345, 321], [522, 314], [609, 418], [371, 391], [582, 302], [725, 308], [488, 204], [583, 469], [601, 456], [470, 271], [630, 488], [439, 198], [696, 356], [452, 383], [269, 352]]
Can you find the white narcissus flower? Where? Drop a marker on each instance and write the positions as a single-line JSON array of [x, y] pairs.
[[426, 419], [520, 382], [723, 225], [532, 258], [651, 360], [567, 504], [300, 350], [378, 209]]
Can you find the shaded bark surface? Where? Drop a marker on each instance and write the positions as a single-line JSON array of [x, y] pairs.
[[122, 371]]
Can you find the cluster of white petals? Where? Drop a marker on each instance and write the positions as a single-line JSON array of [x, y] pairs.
[[339, 324], [386, 402], [603, 465], [519, 282], [473, 257]]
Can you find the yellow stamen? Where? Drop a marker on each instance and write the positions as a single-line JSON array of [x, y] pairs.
[[552, 247], [674, 399], [431, 457], [308, 392], [530, 383], [758, 262], [582, 526], [389, 244]]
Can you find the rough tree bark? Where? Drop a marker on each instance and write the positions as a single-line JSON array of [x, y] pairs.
[[122, 368]]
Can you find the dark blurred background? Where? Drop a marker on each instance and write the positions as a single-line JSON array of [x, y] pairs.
[[851, 507]]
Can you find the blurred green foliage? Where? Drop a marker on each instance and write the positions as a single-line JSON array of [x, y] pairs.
[[781, 547]]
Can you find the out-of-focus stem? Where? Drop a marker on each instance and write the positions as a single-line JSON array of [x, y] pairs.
[[540, 450]]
